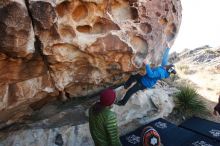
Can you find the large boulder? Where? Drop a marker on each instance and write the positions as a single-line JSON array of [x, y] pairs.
[[152, 104], [143, 107], [24, 78], [90, 43], [70, 136], [76, 48]]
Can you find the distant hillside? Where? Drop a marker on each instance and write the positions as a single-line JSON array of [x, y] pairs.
[[200, 55], [202, 67]]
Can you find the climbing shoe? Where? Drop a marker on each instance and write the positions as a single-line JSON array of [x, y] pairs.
[[120, 103], [126, 86]]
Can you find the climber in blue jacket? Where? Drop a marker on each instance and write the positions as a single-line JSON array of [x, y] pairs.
[[149, 79]]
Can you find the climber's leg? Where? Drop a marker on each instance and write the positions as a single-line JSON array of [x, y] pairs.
[[132, 79], [138, 86]]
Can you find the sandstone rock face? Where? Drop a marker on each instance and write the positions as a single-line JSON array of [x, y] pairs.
[[76, 47], [16, 31], [18, 97], [90, 42], [153, 104], [24, 78], [71, 136], [145, 105]]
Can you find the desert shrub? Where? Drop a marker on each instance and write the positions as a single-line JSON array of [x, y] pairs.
[[210, 51], [189, 72], [188, 102], [183, 67], [173, 77]]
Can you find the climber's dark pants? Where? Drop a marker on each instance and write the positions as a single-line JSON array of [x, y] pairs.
[[138, 86]]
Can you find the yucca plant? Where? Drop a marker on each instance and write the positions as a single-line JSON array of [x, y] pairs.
[[188, 102]]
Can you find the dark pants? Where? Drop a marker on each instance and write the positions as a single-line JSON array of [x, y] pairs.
[[138, 86]]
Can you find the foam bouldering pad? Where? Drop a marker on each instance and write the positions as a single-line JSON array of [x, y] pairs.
[[204, 127], [178, 136], [199, 140], [170, 134], [133, 138]]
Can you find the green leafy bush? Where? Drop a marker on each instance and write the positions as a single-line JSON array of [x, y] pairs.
[[188, 102]]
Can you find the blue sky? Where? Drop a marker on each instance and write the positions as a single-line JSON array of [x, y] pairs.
[[200, 24]]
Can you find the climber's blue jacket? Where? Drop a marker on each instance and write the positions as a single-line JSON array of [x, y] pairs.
[[153, 75]]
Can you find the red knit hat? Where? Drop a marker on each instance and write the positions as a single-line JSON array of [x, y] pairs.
[[107, 97]]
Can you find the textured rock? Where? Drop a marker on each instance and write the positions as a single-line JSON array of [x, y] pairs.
[[16, 31], [76, 47], [13, 70], [146, 106], [17, 97], [23, 74], [72, 136], [151, 104], [86, 41]]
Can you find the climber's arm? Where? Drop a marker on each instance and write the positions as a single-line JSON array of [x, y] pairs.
[[165, 57], [150, 73]]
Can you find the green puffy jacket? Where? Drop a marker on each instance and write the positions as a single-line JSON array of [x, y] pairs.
[[103, 127]]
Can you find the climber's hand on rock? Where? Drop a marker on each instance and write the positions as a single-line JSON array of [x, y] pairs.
[[167, 44], [146, 61]]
